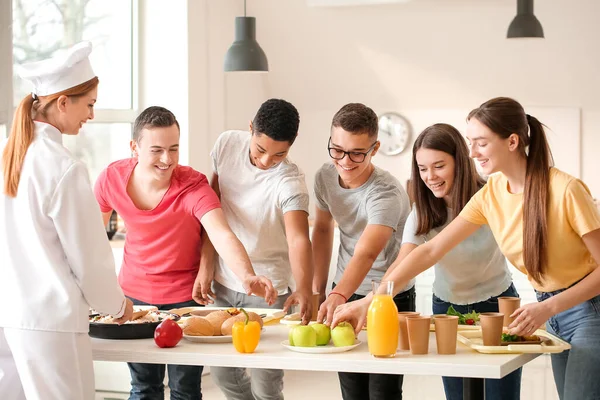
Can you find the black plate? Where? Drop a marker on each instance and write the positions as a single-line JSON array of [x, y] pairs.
[[126, 331]]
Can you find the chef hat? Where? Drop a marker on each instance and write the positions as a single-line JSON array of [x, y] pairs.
[[61, 72]]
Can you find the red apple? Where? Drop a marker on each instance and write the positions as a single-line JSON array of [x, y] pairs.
[[167, 334]]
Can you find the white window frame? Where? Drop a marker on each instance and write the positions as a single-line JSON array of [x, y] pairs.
[[104, 115], [6, 106], [101, 115]]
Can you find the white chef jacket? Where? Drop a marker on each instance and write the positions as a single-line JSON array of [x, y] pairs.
[[55, 259]]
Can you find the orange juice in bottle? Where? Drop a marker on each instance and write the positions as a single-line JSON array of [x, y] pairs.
[[382, 321]]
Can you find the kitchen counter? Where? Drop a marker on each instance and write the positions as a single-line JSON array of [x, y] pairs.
[[271, 354]]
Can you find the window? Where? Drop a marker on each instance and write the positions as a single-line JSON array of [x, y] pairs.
[[42, 28], [5, 68], [98, 144]]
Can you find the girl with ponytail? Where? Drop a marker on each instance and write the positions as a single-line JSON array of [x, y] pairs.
[[54, 252], [22, 132], [546, 224]]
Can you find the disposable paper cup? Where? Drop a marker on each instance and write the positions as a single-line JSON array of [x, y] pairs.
[[491, 328], [446, 330], [418, 333]]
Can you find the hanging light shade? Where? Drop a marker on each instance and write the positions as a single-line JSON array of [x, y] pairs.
[[525, 24], [245, 53]]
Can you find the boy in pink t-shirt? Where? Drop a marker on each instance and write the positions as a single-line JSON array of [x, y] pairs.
[[162, 251], [167, 208]]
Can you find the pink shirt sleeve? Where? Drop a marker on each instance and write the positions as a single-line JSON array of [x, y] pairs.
[[99, 192], [205, 199]]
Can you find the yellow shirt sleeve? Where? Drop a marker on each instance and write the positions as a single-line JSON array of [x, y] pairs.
[[474, 211], [582, 213]]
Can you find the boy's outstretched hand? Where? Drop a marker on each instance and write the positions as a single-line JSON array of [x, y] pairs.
[[260, 286], [304, 304], [328, 307], [202, 291], [354, 312]]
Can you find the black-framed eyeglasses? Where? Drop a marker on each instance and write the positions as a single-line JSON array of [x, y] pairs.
[[355, 156]]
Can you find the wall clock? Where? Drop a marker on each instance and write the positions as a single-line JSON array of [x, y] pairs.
[[394, 133]]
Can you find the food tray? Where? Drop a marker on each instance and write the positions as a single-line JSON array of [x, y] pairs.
[[550, 344], [461, 327], [127, 331]]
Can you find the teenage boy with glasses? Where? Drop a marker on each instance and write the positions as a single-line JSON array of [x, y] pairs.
[[370, 207]]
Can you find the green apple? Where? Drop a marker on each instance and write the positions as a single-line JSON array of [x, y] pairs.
[[323, 334], [291, 336], [304, 336], [343, 335]]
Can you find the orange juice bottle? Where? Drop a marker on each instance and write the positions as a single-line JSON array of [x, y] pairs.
[[382, 321]]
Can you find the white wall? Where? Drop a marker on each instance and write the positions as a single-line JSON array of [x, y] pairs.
[[421, 58], [163, 61]]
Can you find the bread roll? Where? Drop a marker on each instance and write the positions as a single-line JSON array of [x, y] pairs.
[[198, 326], [227, 326], [255, 317], [216, 319]]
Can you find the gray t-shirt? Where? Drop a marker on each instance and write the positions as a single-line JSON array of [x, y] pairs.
[[379, 201], [473, 271]]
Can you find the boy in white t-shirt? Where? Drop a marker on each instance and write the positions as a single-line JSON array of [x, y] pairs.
[[265, 200]]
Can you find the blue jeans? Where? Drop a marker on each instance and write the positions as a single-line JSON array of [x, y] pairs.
[[147, 379], [507, 388], [357, 386], [240, 383], [576, 371]]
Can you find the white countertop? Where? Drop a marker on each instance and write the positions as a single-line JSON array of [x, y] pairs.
[[271, 354]]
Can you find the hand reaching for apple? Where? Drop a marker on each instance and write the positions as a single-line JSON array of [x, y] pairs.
[[354, 312], [304, 302], [328, 307], [261, 286], [322, 297]]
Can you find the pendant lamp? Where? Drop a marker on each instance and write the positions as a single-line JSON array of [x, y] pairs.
[[245, 53], [525, 24]]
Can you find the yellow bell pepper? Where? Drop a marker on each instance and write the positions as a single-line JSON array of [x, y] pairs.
[[246, 335]]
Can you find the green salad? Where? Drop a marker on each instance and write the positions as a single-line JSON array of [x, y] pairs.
[[510, 338], [464, 319]]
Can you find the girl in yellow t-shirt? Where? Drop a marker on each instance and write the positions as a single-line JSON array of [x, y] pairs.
[[545, 223]]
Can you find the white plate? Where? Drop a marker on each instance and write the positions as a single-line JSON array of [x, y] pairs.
[[209, 339], [212, 339], [320, 349]]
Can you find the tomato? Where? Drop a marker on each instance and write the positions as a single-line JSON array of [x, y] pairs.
[[470, 322], [167, 334]]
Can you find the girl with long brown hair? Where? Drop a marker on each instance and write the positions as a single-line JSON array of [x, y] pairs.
[[474, 274], [55, 260], [546, 224]]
